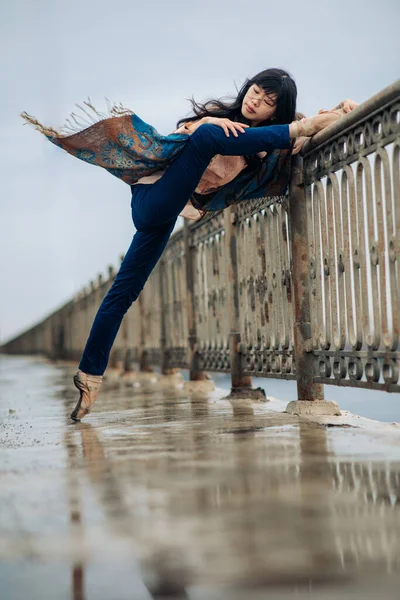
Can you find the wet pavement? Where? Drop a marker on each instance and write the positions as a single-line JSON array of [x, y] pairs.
[[165, 494]]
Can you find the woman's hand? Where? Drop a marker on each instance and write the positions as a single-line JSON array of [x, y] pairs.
[[299, 143], [226, 124]]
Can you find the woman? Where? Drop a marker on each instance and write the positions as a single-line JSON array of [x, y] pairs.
[[228, 153]]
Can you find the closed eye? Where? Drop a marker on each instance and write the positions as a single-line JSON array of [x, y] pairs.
[[267, 101]]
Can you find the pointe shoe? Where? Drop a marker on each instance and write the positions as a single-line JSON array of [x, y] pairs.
[[309, 126], [89, 386]]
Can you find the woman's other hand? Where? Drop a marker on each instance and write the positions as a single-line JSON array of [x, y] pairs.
[[226, 124]]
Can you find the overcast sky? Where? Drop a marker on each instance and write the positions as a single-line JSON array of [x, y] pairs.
[[63, 221]]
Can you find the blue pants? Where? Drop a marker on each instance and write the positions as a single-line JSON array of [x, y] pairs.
[[155, 209]]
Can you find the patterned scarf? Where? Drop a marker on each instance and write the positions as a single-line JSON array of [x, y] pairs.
[[129, 149]]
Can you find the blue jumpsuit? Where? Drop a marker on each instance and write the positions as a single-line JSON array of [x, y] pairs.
[[155, 208]]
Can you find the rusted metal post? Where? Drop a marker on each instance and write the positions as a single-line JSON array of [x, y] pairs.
[[165, 369], [195, 373], [144, 365], [241, 384], [306, 389]]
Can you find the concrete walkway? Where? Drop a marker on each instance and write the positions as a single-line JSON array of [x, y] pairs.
[[164, 494]]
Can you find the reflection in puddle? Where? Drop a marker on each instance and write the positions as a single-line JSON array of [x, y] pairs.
[[264, 505], [183, 493]]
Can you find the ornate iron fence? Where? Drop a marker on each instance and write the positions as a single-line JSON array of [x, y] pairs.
[[353, 222]]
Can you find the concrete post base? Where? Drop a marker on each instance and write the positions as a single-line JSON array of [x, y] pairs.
[[247, 394], [130, 379], [148, 378], [112, 377], [203, 386], [313, 407], [171, 380]]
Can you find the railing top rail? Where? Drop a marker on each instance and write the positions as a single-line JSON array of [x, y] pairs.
[[388, 94]]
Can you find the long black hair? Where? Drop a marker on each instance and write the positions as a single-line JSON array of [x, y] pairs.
[[272, 81]]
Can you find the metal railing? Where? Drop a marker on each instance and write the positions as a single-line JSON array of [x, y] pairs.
[[305, 289], [353, 223]]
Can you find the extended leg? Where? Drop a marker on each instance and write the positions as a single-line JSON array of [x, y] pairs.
[[141, 258]]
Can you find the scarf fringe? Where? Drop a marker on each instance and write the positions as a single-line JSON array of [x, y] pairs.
[[76, 123]]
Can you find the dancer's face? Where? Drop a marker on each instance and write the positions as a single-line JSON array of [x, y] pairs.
[[258, 106]]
